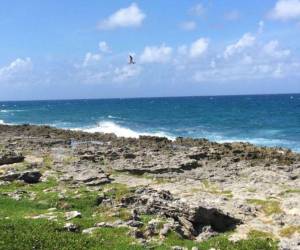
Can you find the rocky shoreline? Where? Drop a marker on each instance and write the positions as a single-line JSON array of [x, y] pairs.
[[193, 187]]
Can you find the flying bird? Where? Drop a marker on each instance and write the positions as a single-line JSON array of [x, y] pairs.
[[131, 60]]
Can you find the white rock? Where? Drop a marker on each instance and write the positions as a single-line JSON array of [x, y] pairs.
[[72, 214]]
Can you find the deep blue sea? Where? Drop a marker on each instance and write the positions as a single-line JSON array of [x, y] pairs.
[[270, 120]]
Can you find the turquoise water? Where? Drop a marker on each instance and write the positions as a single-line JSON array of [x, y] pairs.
[[270, 120]]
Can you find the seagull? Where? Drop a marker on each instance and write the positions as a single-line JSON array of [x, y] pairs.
[[131, 60]]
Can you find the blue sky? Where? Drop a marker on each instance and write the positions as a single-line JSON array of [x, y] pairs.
[[79, 49]]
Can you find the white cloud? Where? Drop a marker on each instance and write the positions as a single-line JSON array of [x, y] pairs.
[[285, 10], [103, 47], [198, 47], [90, 58], [131, 16], [198, 10], [126, 72], [232, 15], [247, 40], [188, 25], [161, 54], [15, 68], [272, 49]]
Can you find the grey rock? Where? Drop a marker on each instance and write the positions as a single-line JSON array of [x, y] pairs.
[[89, 230], [10, 176], [72, 214], [179, 248], [190, 219], [165, 230], [32, 176], [134, 223], [10, 157], [70, 227], [104, 224]]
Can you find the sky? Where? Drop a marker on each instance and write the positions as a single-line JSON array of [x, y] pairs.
[[72, 49]]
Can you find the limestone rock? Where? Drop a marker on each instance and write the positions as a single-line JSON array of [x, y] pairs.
[[70, 227], [10, 157], [72, 214]]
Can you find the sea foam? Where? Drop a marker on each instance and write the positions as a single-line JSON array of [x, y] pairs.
[[111, 127]]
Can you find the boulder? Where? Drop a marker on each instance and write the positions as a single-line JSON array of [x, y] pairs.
[[70, 227], [72, 214], [189, 220], [10, 158], [29, 176], [32, 176], [89, 230]]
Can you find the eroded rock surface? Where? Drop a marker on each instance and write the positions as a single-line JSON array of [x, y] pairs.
[[202, 188]]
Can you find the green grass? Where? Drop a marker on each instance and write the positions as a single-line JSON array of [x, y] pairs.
[[16, 232], [47, 161], [269, 207], [220, 242], [40, 234], [290, 191], [260, 234], [212, 189], [289, 231]]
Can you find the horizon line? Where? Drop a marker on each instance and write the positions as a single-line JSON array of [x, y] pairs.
[[145, 97]]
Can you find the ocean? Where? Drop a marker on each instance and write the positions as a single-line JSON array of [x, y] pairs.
[[268, 120]]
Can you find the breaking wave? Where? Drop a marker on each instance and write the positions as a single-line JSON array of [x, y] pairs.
[[111, 127]]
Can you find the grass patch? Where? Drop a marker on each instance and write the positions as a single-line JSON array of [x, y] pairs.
[[260, 234], [212, 189], [18, 233], [117, 191], [220, 242], [269, 207], [290, 191], [289, 231], [47, 161], [40, 234]]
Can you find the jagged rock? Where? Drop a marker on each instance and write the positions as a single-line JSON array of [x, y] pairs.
[[89, 230], [30, 176], [90, 177], [134, 223], [17, 195], [70, 227], [206, 233], [104, 224], [175, 166], [10, 176], [179, 248], [191, 219], [152, 228], [165, 230], [72, 214], [135, 215], [187, 163], [129, 156], [10, 157], [137, 233]]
